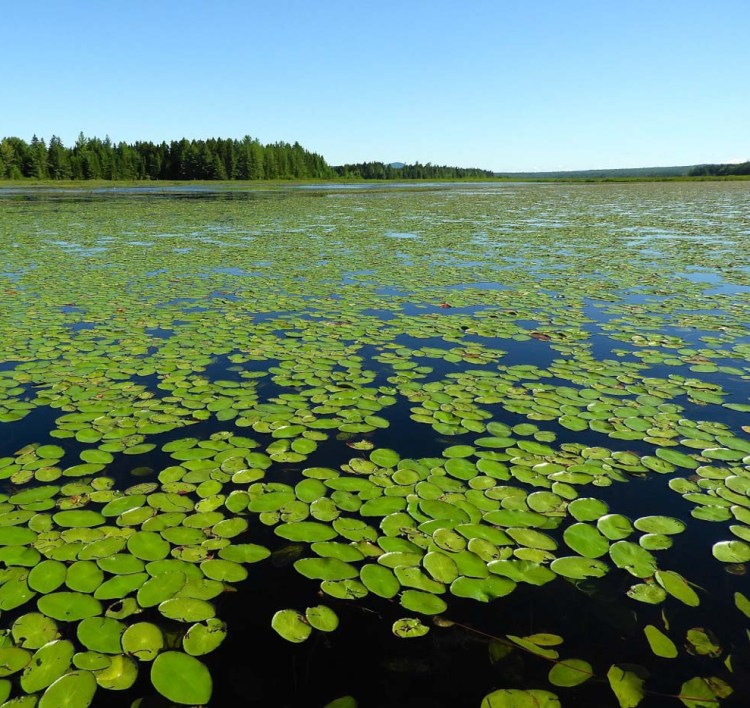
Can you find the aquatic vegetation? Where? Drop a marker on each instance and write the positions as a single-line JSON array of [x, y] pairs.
[[522, 432]]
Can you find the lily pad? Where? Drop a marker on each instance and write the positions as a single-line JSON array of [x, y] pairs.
[[631, 557], [626, 685], [187, 609], [379, 580], [143, 640], [423, 602], [578, 568], [586, 540], [291, 625], [75, 689], [570, 672], [181, 678], [517, 698], [47, 665], [409, 628], [69, 606], [100, 634], [659, 525], [34, 630], [731, 551], [322, 618], [202, 638], [659, 642]]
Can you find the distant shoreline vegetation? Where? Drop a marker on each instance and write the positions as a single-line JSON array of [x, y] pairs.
[[380, 170], [213, 159], [227, 160], [733, 170]]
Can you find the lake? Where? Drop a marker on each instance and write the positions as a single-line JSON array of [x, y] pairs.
[[432, 445]]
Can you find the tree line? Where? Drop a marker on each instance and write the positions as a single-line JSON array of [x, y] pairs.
[[380, 170], [742, 168], [213, 159]]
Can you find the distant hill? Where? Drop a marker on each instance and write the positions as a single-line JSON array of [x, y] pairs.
[[396, 165], [681, 171]]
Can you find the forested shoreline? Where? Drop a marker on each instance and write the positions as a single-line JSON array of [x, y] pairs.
[[742, 168], [227, 159], [380, 170], [212, 159]]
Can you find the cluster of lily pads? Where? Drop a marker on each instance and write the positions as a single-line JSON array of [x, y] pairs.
[[421, 422]]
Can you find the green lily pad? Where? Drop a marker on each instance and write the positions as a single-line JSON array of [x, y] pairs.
[[160, 588], [531, 572], [119, 675], [322, 618], [78, 518], [16, 536], [517, 698], [12, 660], [50, 452], [698, 692], [244, 553], [587, 509], [655, 542], [675, 457], [75, 689], [84, 576], [119, 586], [440, 566], [344, 589], [181, 678], [69, 606], [578, 568], [379, 580], [326, 569], [731, 551], [422, 602], [203, 637], [742, 603], [659, 642], [677, 586], [223, 570], [409, 628], [47, 576], [47, 665], [626, 685], [308, 531], [586, 540], [291, 625], [148, 546], [383, 457], [481, 589], [702, 642], [142, 640], [631, 557], [34, 630], [187, 609], [659, 525], [101, 634], [91, 660], [570, 672]]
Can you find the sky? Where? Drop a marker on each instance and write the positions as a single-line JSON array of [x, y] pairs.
[[506, 85]]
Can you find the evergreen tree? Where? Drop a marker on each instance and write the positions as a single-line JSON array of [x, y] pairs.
[[57, 159]]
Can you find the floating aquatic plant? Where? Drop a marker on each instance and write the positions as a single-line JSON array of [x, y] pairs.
[[530, 406]]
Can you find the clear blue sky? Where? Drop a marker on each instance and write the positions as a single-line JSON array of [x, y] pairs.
[[499, 84]]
